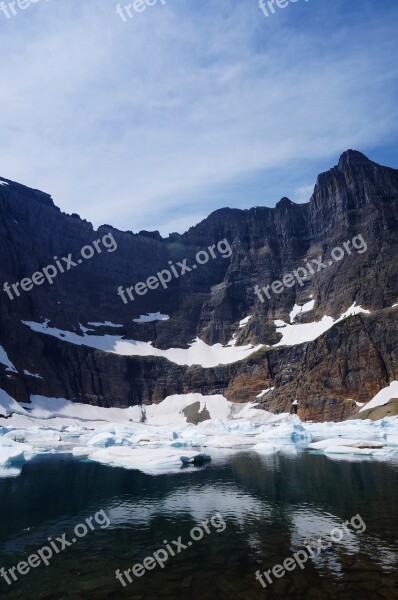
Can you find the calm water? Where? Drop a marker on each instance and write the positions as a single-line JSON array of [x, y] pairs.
[[270, 504]]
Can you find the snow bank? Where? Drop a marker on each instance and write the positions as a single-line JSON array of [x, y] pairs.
[[42, 407], [8, 405], [383, 397]]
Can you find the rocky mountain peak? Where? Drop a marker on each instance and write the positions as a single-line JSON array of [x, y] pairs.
[[352, 157]]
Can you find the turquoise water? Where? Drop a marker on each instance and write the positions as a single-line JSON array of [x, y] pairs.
[[268, 504]]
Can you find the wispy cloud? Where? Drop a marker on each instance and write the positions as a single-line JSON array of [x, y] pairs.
[[303, 193], [131, 123]]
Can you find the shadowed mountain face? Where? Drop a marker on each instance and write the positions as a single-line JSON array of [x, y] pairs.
[[353, 360]]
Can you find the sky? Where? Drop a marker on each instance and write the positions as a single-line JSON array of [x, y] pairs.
[[155, 121]]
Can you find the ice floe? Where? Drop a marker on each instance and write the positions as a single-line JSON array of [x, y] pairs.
[[161, 438], [155, 462]]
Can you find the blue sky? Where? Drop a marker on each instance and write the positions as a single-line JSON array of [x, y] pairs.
[[189, 107]]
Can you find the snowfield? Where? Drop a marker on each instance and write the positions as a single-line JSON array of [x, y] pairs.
[[298, 333], [161, 438], [198, 353]]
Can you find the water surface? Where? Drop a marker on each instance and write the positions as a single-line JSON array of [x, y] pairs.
[[269, 504]]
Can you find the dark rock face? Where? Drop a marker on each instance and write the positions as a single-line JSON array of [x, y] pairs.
[[351, 361]]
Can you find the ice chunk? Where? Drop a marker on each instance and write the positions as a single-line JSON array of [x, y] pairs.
[[102, 440], [11, 455], [264, 448], [340, 449], [195, 458], [34, 435], [13, 471], [153, 461]]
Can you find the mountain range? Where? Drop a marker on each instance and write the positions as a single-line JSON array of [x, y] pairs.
[[330, 341]]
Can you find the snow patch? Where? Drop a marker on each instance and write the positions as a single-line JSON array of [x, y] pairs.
[[280, 323], [307, 332], [264, 392], [297, 310], [244, 321], [32, 374], [149, 317], [4, 360], [105, 324]]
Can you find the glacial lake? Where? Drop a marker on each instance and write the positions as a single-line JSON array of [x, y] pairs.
[[270, 505]]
